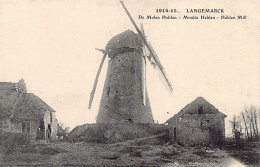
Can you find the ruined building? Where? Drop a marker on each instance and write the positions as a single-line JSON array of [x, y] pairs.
[[197, 123], [22, 112], [124, 97]]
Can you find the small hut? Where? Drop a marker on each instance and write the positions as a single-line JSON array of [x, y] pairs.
[[22, 112], [199, 122]]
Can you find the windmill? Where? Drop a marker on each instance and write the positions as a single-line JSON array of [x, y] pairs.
[[124, 97]]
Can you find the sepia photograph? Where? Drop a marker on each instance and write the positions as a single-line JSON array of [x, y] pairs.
[[130, 83]]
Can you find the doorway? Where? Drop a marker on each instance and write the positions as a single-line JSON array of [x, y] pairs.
[[40, 135], [49, 131]]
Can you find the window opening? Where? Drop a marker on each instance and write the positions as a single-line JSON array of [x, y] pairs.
[[200, 109], [23, 127], [26, 127]]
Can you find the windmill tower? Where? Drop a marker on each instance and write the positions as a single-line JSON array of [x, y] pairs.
[[124, 97]]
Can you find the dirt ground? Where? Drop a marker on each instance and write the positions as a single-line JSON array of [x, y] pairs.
[[125, 154]]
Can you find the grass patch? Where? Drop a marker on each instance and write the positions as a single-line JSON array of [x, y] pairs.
[[14, 141], [247, 152]]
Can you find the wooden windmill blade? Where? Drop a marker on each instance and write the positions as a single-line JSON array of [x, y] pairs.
[[151, 50], [96, 80], [164, 79]]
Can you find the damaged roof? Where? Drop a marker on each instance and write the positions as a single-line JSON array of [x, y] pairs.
[[19, 105], [8, 96], [192, 108], [29, 106], [125, 39]]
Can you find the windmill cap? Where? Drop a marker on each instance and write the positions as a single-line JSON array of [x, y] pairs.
[[126, 39]]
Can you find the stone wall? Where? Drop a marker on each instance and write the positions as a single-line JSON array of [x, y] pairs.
[[193, 129], [49, 118], [5, 125], [122, 99], [54, 126], [15, 126]]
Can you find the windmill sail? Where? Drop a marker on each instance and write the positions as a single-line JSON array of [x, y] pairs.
[[151, 50], [96, 80], [164, 78]]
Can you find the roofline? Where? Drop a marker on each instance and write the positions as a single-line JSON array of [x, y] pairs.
[[42, 101], [14, 106]]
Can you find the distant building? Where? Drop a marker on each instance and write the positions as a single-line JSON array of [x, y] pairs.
[[197, 123], [61, 133], [22, 112]]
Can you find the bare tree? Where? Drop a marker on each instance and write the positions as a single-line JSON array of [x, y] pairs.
[[245, 124], [236, 127], [61, 124], [250, 120], [253, 111], [249, 117], [256, 125], [65, 128]]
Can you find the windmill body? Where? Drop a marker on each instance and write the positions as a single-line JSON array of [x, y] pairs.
[[124, 97]]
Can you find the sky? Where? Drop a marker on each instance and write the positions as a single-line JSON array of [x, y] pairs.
[[51, 45]]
